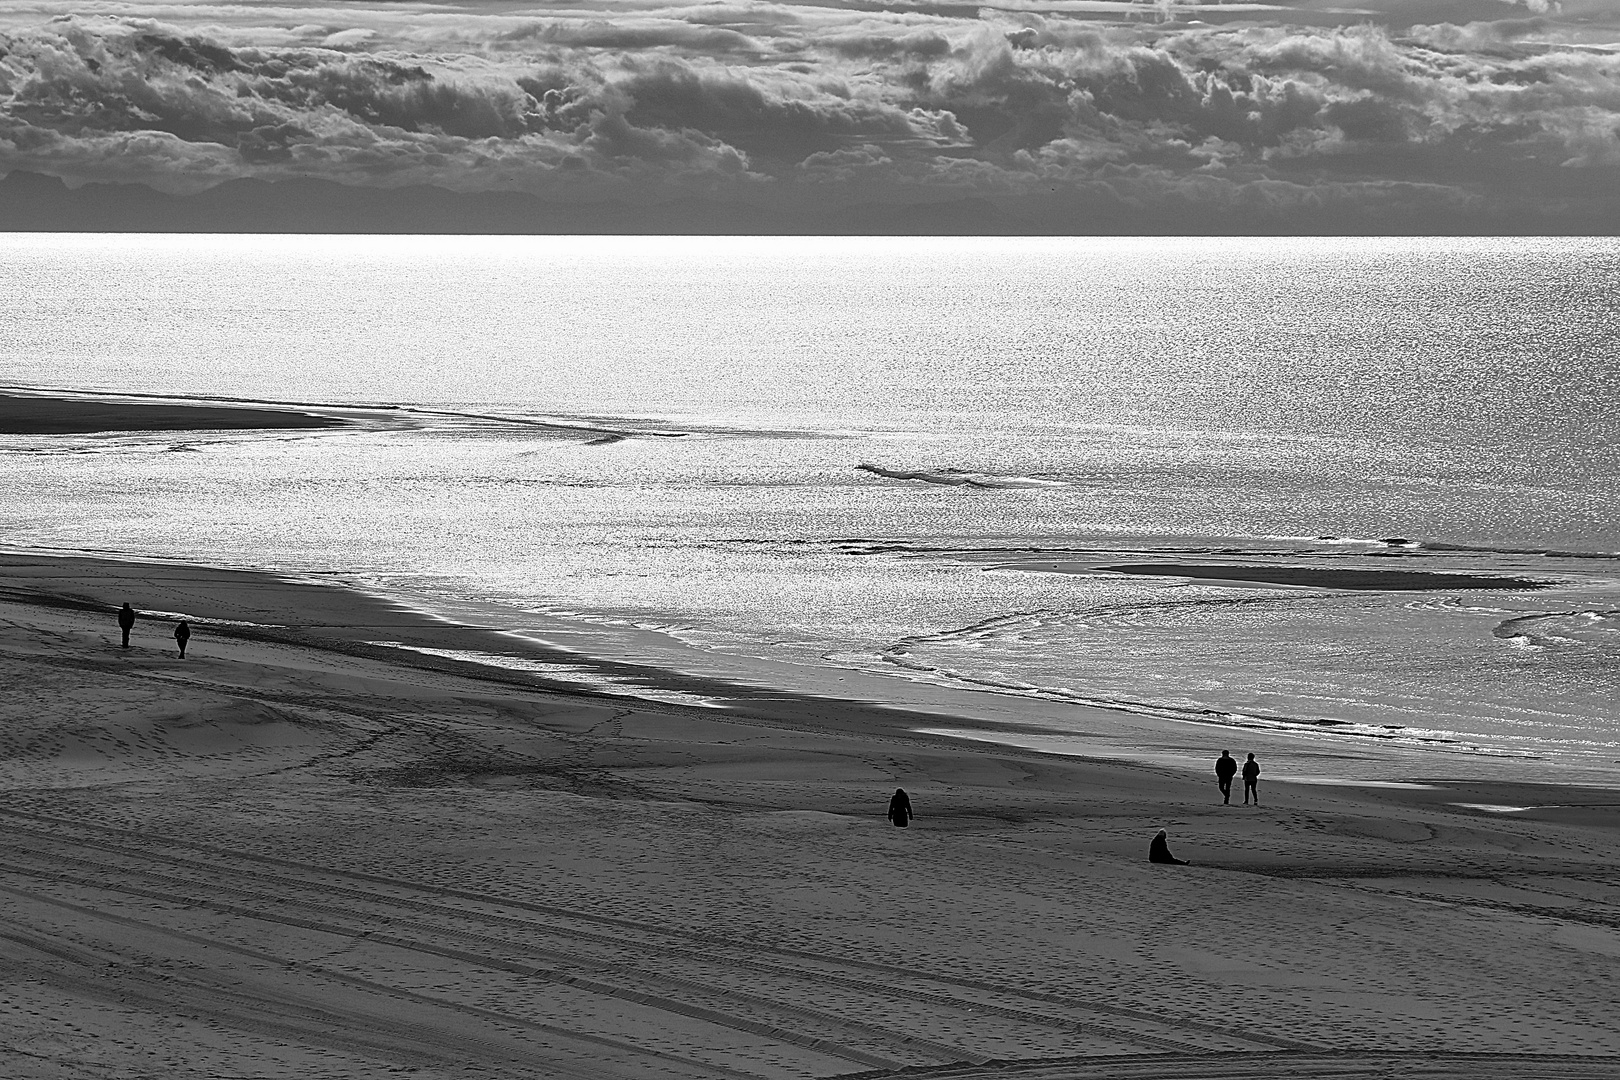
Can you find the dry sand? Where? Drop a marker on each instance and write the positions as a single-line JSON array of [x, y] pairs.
[[295, 854]]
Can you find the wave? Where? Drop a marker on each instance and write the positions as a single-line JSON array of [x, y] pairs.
[[988, 656], [1480, 549], [1127, 616], [1406, 543], [1562, 628], [961, 477], [203, 620], [1329, 538], [1389, 734]]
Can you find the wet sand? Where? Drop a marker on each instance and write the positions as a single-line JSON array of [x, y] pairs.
[[299, 852], [41, 415]]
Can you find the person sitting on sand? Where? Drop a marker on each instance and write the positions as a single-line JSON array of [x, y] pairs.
[[1225, 769], [182, 634], [126, 621], [1159, 851], [1251, 777], [900, 808]]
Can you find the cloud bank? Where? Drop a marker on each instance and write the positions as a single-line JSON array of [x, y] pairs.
[[1059, 116]]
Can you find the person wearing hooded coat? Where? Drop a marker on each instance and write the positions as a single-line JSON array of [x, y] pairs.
[[126, 621], [1159, 851], [900, 808], [182, 634], [1225, 768], [1251, 781]]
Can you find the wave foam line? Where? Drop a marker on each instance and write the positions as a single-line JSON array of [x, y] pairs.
[[1549, 629], [1551, 553], [1404, 737]]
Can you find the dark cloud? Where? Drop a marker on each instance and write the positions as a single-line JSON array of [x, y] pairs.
[[883, 42], [633, 35], [391, 95], [786, 118], [1512, 117]]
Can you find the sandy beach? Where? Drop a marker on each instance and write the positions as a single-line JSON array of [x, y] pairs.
[[299, 853]]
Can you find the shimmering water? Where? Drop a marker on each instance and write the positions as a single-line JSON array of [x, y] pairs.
[[857, 452]]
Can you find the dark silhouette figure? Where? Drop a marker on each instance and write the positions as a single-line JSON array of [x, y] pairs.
[[1225, 769], [182, 634], [1251, 777], [1159, 851], [126, 621], [900, 808]]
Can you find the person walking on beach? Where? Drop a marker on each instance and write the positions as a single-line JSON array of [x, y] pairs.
[[1159, 851], [182, 634], [1251, 778], [900, 808], [126, 621], [1225, 769]]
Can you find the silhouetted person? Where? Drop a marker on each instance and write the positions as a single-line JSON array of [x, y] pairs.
[[1251, 777], [1159, 851], [126, 621], [182, 634], [1225, 769], [900, 808]]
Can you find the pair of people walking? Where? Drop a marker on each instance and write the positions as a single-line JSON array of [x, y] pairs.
[[126, 623], [1226, 767]]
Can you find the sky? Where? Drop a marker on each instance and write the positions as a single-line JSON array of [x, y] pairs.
[[1501, 114]]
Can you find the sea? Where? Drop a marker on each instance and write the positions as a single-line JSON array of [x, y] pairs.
[[900, 468]]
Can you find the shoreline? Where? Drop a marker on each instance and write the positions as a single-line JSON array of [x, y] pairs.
[[335, 616], [1151, 732]]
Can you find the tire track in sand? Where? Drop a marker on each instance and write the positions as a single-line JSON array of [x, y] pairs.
[[694, 946], [1282, 1065], [104, 974], [101, 879]]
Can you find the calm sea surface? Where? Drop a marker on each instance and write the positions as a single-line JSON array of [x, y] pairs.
[[899, 456]]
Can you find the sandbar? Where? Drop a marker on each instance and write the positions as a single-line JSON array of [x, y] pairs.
[[297, 852], [22, 414], [1321, 577]]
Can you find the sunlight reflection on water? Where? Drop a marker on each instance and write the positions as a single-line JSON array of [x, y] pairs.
[[672, 432]]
